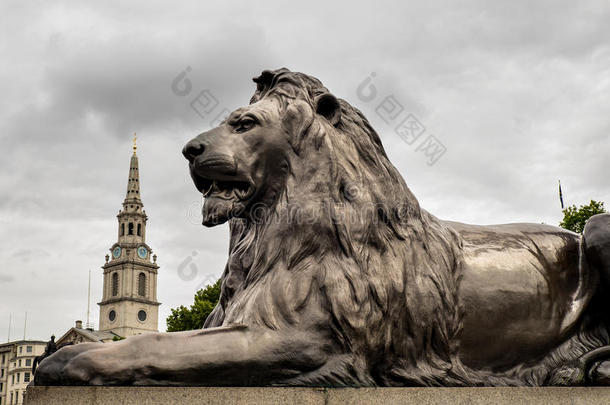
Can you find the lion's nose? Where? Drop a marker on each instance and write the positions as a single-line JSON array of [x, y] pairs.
[[193, 149]]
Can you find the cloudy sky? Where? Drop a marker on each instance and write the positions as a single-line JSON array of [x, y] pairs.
[[517, 93]]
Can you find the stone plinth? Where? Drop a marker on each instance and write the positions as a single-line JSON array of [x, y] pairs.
[[305, 396]]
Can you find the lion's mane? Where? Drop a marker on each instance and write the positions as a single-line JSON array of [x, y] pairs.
[[386, 269]]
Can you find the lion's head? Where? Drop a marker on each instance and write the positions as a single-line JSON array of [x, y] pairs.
[[293, 133]]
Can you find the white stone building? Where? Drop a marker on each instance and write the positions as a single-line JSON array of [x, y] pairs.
[[16, 359], [129, 302]]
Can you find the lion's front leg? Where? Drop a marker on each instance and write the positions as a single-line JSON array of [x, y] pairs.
[[87, 364], [58, 369], [235, 355], [113, 363]]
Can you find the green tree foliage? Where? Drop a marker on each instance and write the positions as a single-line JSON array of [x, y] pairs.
[[183, 318], [574, 218]]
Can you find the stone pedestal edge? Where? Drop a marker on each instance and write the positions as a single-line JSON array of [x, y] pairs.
[[314, 396]]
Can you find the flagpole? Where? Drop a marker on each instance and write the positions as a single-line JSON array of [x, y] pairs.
[[88, 300], [560, 195], [25, 323]]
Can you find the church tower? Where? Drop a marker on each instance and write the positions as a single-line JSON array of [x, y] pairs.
[[129, 301]]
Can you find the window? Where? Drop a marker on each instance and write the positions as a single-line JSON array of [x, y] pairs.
[[26, 377], [122, 229], [141, 315], [13, 380], [142, 284], [28, 362], [20, 349], [1, 374], [112, 315], [139, 229], [3, 358], [18, 374], [115, 284], [28, 349], [19, 363], [130, 229]]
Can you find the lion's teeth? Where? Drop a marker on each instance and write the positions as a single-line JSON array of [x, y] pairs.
[[243, 193], [209, 190]]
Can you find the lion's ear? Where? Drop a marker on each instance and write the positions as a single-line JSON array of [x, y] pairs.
[[328, 106], [264, 80], [263, 83]]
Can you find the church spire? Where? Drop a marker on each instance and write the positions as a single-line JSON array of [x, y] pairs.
[[133, 183]]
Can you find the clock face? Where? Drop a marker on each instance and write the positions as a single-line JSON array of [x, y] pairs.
[[142, 252], [116, 252]]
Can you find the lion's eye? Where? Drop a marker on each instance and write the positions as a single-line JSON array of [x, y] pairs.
[[244, 125]]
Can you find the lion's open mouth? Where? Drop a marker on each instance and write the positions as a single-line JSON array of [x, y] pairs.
[[225, 189], [226, 193]]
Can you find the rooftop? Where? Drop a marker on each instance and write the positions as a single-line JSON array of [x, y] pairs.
[[21, 342]]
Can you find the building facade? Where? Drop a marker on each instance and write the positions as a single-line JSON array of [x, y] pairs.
[[129, 303], [77, 334], [16, 359]]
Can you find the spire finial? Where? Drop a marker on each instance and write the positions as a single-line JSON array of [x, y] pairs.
[[134, 143]]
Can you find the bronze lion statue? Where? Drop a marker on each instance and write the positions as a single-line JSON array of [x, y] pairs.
[[337, 277]]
